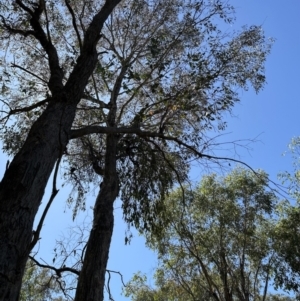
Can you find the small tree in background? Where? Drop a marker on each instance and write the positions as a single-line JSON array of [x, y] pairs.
[[287, 231], [216, 243]]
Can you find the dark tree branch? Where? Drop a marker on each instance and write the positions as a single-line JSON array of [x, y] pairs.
[[83, 252], [121, 276], [55, 83], [74, 23], [114, 95], [87, 60], [268, 277], [76, 133], [29, 72], [40, 8], [58, 271], [212, 285], [21, 110], [93, 158], [27, 109], [24, 33], [96, 100], [108, 282], [81, 16], [24, 7], [47, 24], [96, 92], [108, 287], [36, 233]]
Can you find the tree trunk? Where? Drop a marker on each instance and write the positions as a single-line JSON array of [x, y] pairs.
[[24, 182], [92, 276], [22, 189]]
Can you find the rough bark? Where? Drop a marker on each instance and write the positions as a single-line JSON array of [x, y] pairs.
[[23, 184], [22, 189], [92, 276]]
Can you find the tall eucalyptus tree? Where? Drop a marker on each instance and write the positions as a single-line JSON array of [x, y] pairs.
[[167, 76], [137, 107], [49, 52], [217, 245]]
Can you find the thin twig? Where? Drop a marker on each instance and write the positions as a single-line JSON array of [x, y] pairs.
[[108, 286], [29, 72], [36, 233], [121, 276]]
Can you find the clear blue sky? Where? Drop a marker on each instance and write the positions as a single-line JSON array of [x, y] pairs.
[[273, 114]]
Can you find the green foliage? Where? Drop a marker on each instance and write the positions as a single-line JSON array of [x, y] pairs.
[[138, 290], [279, 298], [165, 68], [216, 242], [287, 230], [292, 179], [39, 285], [287, 233], [165, 75], [168, 71]]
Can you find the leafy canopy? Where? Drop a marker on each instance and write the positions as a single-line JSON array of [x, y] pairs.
[[165, 76], [216, 243], [38, 285]]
